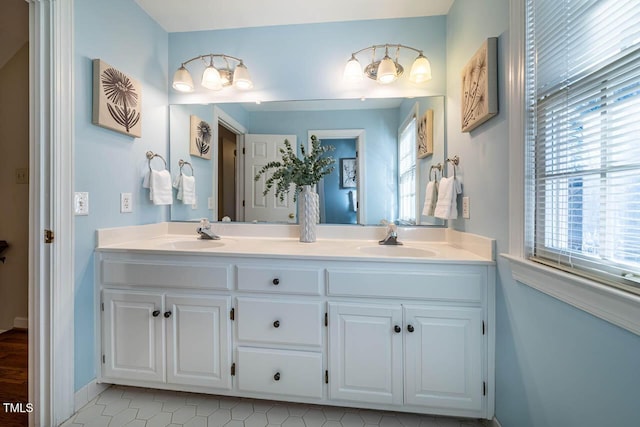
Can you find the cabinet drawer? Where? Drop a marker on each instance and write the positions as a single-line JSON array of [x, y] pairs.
[[281, 322], [451, 285], [279, 280], [199, 276], [292, 373]]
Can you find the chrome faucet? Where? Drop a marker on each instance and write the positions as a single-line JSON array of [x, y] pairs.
[[392, 234], [204, 230]]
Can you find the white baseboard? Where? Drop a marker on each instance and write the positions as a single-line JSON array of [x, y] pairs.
[[87, 393], [21, 323]]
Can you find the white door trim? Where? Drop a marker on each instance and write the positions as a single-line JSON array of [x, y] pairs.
[[360, 136], [220, 117], [51, 281]]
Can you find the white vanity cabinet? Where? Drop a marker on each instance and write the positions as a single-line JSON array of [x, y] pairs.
[[400, 335], [415, 337], [279, 326], [155, 334]]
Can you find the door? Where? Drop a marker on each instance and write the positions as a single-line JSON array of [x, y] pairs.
[[365, 353], [443, 357], [260, 150], [198, 334], [133, 336]]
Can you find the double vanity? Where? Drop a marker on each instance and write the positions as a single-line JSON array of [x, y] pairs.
[[342, 321]]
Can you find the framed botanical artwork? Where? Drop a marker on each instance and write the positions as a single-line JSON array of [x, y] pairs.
[[480, 86], [425, 135], [117, 100], [200, 138], [348, 173]]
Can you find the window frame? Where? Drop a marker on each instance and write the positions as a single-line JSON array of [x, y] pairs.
[[610, 304]]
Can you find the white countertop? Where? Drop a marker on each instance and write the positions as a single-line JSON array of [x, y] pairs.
[[433, 246]]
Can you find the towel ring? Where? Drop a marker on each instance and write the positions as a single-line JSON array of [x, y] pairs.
[[435, 175], [151, 155], [455, 160], [181, 163]]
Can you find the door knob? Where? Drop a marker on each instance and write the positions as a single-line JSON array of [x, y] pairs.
[[397, 329], [410, 328], [156, 313], [167, 314], [276, 324]]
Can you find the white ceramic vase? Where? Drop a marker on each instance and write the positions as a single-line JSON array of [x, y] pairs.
[[308, 214]]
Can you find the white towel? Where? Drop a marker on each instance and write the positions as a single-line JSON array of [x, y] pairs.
[[430, 198], [187, 190], [160, 191], [447, 205]]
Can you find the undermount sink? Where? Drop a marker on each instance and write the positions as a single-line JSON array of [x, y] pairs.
[[397, 251], [188, 245]]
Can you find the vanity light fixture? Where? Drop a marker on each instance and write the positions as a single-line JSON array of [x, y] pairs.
[[386, 69], [214, 77]]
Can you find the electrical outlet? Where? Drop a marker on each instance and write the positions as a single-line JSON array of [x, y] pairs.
[[125, 203], [465, 208], [81, 203]]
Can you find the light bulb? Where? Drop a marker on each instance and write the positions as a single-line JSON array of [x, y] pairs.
[[353, 71], [420, 70], [182, 80], [211, 78], [386, 71], [241, 78]]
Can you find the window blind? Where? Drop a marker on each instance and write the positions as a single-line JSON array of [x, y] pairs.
[[583, 137]]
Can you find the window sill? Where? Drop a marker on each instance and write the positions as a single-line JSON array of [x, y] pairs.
[[613, 305]]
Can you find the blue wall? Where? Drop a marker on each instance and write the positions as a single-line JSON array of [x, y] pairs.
[[555, 365], [179, 131], [108, 163], [339, 204]]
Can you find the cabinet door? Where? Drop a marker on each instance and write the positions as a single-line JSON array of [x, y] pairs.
[[443, 357], [198, 348], [132, 336], [365, 353]]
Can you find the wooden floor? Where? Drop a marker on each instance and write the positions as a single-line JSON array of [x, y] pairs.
[[13, 376]]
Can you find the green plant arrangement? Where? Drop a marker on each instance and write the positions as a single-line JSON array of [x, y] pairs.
[[307, 170]]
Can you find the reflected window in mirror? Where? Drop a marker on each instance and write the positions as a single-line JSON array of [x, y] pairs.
[[407, 172]]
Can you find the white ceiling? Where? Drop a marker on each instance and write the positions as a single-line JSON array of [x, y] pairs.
[[14, 28], [198, 15]]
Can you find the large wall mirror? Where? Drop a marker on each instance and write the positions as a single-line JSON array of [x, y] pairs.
[[224, 144]]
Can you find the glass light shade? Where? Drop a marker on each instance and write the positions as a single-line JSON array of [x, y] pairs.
[[211, 78], [241, 78], [182, 80], [420, 70], [386, 71], [353, 71]]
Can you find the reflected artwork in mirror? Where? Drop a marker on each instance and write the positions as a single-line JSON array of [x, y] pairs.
[[365, 134]]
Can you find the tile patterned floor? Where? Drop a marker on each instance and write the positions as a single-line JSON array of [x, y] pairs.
[[138, 407]]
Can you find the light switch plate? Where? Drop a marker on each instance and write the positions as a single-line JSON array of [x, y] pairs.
[[125, 203], [210, 203], [81, 203], [465, 208]]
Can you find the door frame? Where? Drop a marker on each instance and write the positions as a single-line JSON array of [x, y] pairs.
[[51, 266], [360, 136], [220, 117]]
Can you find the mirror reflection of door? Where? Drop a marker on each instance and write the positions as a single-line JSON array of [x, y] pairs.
[[337, 191], [227, 153], [260, 150]]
